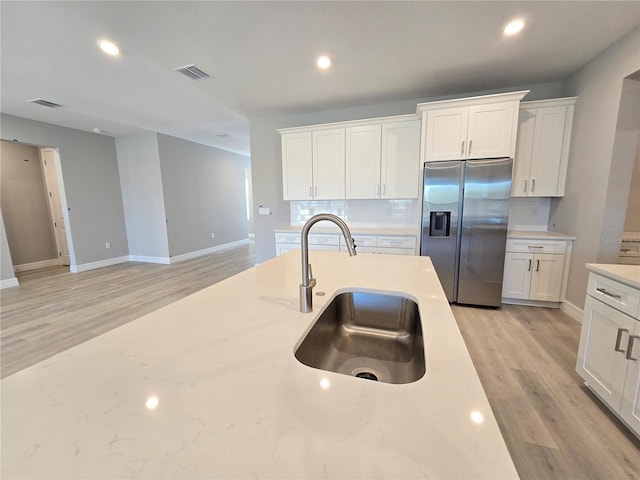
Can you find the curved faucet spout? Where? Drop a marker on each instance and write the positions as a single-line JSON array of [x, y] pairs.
[[308, 282]]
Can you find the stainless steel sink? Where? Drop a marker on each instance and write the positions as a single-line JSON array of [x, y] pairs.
[[368, 335]]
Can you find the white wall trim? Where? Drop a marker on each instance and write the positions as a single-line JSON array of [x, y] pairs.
[[8, 283], [36, 265], [144, 259], [206, 251], [102, 263], [571, 310]]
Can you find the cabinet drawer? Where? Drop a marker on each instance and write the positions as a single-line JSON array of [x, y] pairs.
[[397, 242], [396, 251], [288, 238], [536, 246], [619, 296], [361, 241], [359, 249], [322, 239]]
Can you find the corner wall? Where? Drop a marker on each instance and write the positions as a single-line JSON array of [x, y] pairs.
[[582, 211]]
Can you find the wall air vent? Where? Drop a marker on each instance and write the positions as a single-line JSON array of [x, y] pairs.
[[192, 71], [45, 103]]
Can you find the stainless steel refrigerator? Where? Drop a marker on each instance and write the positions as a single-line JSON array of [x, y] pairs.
[[465, 213]]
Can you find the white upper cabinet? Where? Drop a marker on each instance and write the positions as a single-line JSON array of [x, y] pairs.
[[400, 162], [328, 164], [297, 166], [476, 127], [362, 159], [313, 165], [542, 152]]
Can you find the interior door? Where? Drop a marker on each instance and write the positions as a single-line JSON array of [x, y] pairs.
[[49, 159]]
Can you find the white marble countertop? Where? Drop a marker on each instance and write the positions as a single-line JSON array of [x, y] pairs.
[[627, 274], [354, 230], [231, 400], [538, 235]]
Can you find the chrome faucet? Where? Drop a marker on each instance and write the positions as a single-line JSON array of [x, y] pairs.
[[308, 282]]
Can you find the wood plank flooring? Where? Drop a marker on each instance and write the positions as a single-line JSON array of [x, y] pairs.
[[53, 310], [525, 357], [554, 427]]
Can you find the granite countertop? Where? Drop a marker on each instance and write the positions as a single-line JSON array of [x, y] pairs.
[[627, 274], [354, 230], [208, 387], [538, 235]]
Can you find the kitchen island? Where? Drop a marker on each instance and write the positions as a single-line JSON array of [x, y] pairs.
[[208, 387]]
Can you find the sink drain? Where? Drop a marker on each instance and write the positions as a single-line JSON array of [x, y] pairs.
[[367, 375]]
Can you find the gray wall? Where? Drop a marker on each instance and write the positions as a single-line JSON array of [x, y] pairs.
[[266, 160], [142, 197], [204, 193], [632, 220], [91, 183], [6, 266], [25, 208], [583, 210]]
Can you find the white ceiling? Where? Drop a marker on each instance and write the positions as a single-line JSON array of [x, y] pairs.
[[261, 56]]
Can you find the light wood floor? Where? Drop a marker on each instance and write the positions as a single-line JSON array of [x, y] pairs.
[[53, 310], [553, 426], [525, 357]]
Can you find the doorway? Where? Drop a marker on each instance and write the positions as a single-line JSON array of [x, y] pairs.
[[32, 201]]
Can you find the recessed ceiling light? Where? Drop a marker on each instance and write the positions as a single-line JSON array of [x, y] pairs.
[[514, 27], [109, 47], [324, 62]]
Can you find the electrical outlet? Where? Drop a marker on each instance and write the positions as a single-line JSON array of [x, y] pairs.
[[213, 235], [107, 245]]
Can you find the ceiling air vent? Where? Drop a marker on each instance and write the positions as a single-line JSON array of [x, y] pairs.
[[45, 103], [192, 71]]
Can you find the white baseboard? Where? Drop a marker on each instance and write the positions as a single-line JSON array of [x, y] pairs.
[[36, 265], [99, 264], [571, 310], [144, 259], [207, 251], [8, 283]]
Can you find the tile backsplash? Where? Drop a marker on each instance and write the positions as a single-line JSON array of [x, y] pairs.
[[361, 213]]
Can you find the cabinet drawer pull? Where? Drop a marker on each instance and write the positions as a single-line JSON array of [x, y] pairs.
[[537, 265], [612, 295], [630, 348], [529, 269], [619, 339]]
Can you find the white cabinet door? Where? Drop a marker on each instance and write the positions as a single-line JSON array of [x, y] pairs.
[[602, 366], [328, 164], [524, 152], [446, 134], [630, 409], [363, 161], [400, 163], [297, 170], [547, 151], [516, 280], [490, 131], [546, 280]]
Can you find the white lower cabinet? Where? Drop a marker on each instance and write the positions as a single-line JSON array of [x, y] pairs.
[[533, 271], [388, 244], [609, 351]]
